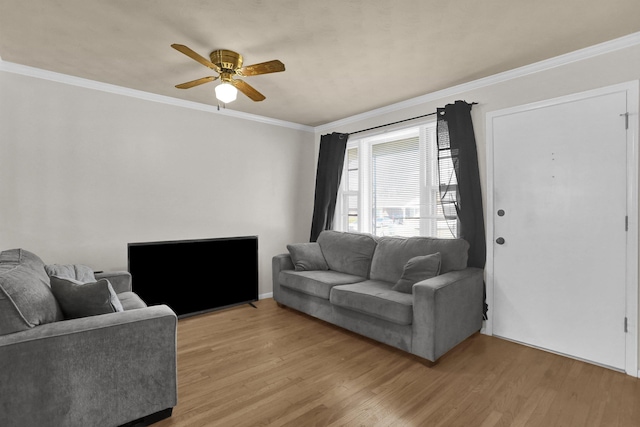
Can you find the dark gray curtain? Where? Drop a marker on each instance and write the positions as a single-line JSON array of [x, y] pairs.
[[460, 190], [328, 175]]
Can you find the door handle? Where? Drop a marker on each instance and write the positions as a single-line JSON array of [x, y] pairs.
[[500, 241]]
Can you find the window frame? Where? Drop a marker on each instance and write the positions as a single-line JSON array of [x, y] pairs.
[[429, 191]]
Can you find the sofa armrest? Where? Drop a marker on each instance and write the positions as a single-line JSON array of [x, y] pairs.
[[120, 280], [446, 310], [102, 370], [279, 263]]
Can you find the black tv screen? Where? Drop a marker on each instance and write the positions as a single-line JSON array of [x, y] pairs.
[[195, 276]]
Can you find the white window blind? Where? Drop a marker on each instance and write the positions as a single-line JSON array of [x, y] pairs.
[[389, 186]]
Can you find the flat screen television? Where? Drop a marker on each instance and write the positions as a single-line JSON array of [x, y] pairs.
[[195, 276]]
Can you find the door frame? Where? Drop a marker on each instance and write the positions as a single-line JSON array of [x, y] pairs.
[[633, 93]]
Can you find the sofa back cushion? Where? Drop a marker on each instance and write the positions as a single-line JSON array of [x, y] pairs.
[[392, 253], [78, 272], [26, 299], [349, 253]]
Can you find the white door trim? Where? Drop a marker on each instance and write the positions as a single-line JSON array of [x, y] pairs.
[[632, 90]]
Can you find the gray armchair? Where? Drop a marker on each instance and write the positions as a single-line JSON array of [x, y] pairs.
[[103, 370]]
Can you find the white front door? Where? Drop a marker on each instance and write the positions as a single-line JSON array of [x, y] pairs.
[[559, 226]]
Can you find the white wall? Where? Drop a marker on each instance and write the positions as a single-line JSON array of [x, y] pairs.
[[84, 172]]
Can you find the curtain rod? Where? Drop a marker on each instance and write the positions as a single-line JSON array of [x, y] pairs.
[[399, 121]]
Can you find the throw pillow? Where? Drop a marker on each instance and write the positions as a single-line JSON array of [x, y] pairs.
[[79, 299], [417, 269], [307, 256], [78, 272]]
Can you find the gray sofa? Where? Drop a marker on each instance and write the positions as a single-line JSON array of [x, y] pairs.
[[352, 280], [102, 370]]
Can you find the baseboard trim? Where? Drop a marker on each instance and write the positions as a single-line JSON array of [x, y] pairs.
[[265, 296]]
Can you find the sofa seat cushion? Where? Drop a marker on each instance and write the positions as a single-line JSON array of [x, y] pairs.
[[349, 253], [26, 299], [376, 299], [316, 283], [130, 301]]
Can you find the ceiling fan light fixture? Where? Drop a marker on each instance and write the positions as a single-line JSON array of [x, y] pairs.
[[228, 64], [226, 92]]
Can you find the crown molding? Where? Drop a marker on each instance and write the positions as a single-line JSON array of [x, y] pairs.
[[547, 64], [24, 70]]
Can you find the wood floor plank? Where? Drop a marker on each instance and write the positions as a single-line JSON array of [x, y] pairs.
[[273, 366]]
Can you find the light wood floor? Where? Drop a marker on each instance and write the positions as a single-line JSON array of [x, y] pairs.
[[273, 366]]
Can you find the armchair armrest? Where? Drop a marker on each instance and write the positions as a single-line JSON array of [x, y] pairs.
[[102, 370], [279, 263], [282, 262], [446, 310], [120, 280]]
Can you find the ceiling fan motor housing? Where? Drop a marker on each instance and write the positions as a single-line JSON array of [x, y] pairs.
[[228, 60]]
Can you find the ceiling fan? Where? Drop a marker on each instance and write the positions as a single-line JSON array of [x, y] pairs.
[[228, 64]]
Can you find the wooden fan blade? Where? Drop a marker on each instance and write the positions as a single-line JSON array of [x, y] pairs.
[[193, 55], [198, 82], [247, 89], [274, 66]]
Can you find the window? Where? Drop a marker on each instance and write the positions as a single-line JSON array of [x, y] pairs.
[[389, 186]]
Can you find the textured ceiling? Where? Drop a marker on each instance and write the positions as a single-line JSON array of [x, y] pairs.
[[342, 57]]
